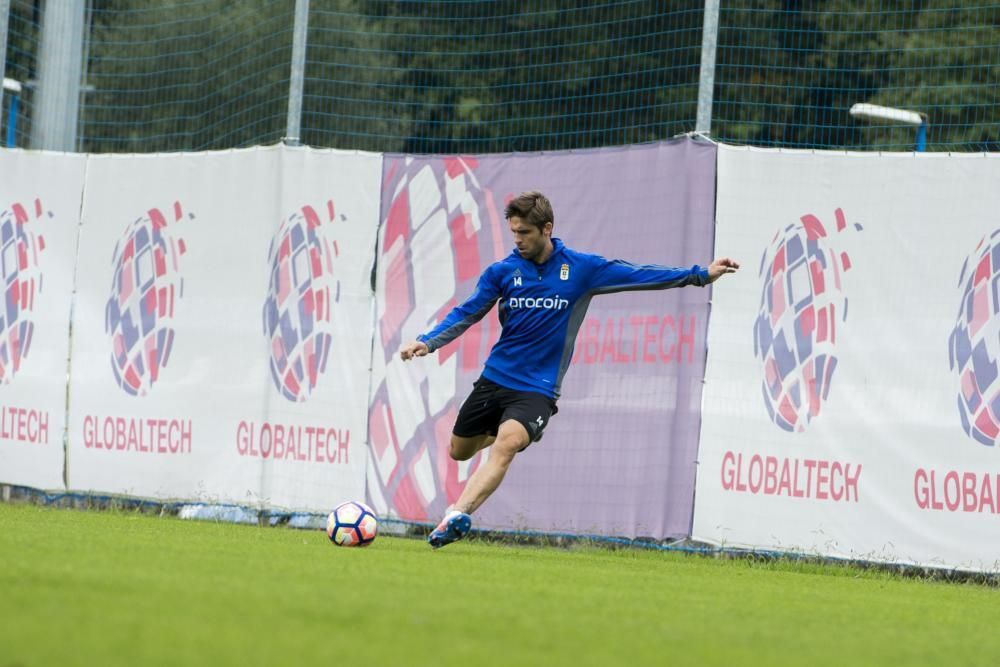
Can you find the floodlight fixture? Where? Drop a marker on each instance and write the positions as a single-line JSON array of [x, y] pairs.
[[13, 86], [876, 112]]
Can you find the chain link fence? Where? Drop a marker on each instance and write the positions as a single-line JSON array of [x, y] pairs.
[[477, 76]]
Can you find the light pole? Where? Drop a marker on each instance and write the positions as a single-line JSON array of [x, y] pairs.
[[13, 86], [893, 115]]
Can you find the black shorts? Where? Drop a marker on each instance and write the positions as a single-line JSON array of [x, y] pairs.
[[490, 405]]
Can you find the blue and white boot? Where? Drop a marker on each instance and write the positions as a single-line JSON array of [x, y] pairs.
[[454, 526]]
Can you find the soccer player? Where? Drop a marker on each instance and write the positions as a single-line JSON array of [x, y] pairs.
[[543, 288]]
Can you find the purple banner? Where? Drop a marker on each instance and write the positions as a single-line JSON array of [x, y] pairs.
[[619, 458]]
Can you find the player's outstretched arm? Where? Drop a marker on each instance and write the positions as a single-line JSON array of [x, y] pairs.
[[414, 349], [721, 267]]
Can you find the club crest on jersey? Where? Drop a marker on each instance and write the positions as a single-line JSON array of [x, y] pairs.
[[564, 272], [517, 277]]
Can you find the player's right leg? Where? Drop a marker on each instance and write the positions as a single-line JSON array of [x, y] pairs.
[[476, 425], [475, 428], [511, 438], [454, 526], [464, 448]]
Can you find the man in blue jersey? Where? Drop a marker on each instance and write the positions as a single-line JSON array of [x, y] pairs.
[[543, 289]]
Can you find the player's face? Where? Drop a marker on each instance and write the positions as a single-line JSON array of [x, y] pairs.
[[531, 241]]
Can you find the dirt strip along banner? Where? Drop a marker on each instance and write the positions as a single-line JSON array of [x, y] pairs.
[[618, 459], [852, 397], [40, 197], [222, 327]]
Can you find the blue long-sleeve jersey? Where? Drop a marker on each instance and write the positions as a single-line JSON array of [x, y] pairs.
[[542, 307]]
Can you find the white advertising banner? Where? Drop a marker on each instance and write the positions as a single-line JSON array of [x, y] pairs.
[[222, 329], [852, 396], [39, 221]]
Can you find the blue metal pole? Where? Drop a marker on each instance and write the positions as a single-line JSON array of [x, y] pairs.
[[921, 137], [12, 122]]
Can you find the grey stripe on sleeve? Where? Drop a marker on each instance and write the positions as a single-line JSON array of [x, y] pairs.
[[456, 329], [575, 321], [579, 312]]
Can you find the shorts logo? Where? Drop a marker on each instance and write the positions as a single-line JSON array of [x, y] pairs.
[[302, 289], [802, 300], [973, 347], [146, 287], [20, 249]]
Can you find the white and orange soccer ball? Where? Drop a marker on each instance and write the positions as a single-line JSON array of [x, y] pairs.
[[352, 524]]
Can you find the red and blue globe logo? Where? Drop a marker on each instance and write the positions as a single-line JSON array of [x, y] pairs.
[[974, 344], [440, 227], [145, 291], [302, 291], [21, 247], [803, 305]]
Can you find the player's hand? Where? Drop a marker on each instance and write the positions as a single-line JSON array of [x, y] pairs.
[[414, 349], [721, 267]]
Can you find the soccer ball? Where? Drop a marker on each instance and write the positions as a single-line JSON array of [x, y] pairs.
[[352, 524]]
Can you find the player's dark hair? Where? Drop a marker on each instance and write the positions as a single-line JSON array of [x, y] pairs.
[[533, 207]]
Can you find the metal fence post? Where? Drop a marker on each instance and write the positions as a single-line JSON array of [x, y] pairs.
[[706, 79], [57, 98], [4, 19], [296, 87]]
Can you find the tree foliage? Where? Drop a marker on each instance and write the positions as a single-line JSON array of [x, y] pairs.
[[788, 75], [449, 76]]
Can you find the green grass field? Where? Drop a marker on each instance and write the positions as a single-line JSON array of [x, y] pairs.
[[121, 588]]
